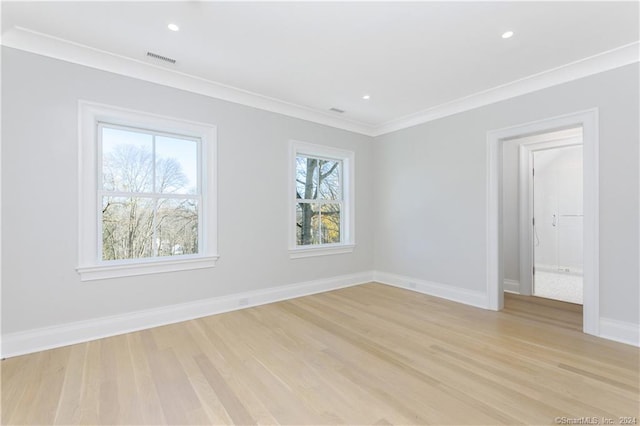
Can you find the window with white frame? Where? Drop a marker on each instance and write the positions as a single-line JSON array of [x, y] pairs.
[[322, 182], [147, 193]]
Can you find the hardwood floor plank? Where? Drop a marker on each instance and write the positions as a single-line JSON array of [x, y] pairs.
[[210, 344], [229, 364], [370, 354], [53, 365], [396, 364], [68, 410], [233, 405], [15, 384], [326, 387], [177, 397], [146, 396]]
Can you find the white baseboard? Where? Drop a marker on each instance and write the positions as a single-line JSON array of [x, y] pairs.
[[512, 286], [559, 269], [620, 331], [444, 291], [29, 341], [19, 343]]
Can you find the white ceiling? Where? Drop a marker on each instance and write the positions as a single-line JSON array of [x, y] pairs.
[[410, 57]]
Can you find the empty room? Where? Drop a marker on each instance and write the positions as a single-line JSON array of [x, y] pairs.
[[314, 213]]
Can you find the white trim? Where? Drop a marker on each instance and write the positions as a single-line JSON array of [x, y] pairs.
[[601, 62], [324, 250], [29, 341], [347, 231], [525, 210], [1, 223], [90, 267], [525, 197], [181, 263], [58, 48], [443, 291], [512, 286], [562, 269], [40, 339], [620, 331], [495, 269], [588, 120]]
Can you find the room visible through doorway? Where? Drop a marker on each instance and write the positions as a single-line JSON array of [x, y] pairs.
[[558, 223]]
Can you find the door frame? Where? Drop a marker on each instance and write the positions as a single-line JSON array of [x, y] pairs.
[[588, 120], [525, 200]]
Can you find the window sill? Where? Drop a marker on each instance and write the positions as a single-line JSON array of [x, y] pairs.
[[302, 252], [100, 272]]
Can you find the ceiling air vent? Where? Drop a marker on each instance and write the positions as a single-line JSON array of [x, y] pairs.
[[338, 110], [161, 58]]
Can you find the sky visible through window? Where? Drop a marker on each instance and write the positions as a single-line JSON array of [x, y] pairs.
[[183, 151]]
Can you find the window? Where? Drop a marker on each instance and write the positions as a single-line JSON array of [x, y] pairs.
[[150, 193], [147, 193], [322, 195]]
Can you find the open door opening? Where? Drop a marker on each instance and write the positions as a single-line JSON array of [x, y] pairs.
[[557, 222], [499, 248]]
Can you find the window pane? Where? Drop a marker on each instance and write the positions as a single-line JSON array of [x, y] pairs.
[[330, 180], [127, 161], [330, 228], [299, 224], [127, 228], [306, 178], [176, 165], [177, 227], [307, 224]]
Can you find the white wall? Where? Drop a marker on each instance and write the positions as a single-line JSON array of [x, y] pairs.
[[431, 184], [40, 197]]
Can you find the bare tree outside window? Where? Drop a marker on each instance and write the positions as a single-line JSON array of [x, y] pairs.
[[319, 200], [149, 195]]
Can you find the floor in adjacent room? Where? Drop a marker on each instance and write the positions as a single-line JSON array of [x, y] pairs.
[[558, 286], [370, 354]]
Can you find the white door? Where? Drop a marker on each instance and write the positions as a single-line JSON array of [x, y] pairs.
[[558, 229]]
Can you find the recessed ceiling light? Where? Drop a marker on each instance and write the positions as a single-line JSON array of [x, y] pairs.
[[366, 97], [507, 34], [173, 27]]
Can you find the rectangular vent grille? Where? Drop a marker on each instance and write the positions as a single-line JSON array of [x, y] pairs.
[[160, 57], [338, 110]]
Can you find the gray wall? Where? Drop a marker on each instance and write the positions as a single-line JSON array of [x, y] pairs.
[[420, 191], [40, 196], [430, 184]]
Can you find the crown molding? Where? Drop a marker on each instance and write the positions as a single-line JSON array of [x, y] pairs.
[[58, 48], [605, 61], [54, 47]]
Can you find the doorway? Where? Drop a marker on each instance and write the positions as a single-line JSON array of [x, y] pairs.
[[587, 121], [558, 222]]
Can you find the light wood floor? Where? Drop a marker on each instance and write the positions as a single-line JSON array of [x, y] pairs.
[[370, 354]]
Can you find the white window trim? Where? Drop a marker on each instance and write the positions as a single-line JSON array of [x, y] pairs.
[[90, 266], [348, 187]]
